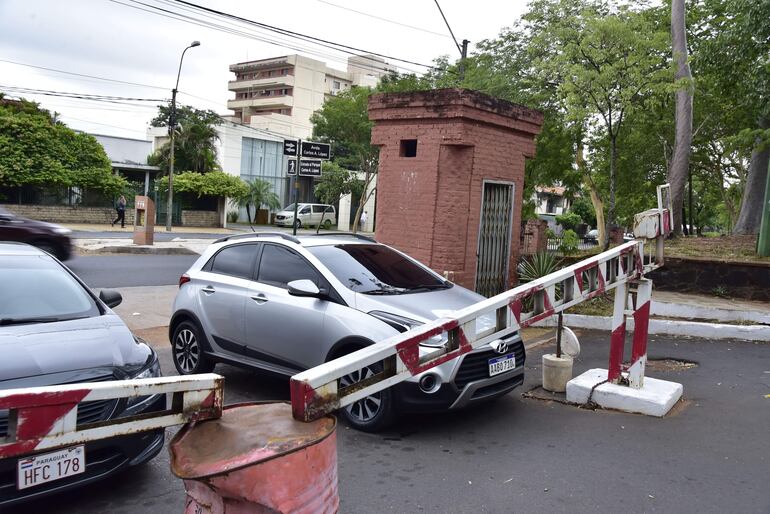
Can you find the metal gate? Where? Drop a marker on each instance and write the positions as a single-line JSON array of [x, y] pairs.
[[494, 248]]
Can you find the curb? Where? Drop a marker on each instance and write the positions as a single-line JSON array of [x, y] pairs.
[[141, 250], [712, 331], [675, 310]]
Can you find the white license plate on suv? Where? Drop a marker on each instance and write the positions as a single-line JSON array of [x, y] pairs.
[[501, 364], [48, 467]]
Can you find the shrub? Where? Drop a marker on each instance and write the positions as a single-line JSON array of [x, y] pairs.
[[569, 243], [232, 216], [569, 220]]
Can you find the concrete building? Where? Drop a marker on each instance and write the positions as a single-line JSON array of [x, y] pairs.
[[551, 200], [281, 93], [128, 157]]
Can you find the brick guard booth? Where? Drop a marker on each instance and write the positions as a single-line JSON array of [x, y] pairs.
[[450, 181]]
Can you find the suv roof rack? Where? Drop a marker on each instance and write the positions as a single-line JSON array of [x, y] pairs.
[[282, 235], [347, 234]]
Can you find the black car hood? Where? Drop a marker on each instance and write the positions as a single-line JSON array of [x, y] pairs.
[[65, 351]]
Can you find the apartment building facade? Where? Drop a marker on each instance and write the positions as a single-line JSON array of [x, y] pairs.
[[281, 93]]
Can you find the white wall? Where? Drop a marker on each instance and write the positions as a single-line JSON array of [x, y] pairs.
[[343, 216]]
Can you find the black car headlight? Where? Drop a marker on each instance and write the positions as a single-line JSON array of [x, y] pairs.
[[150, 371]]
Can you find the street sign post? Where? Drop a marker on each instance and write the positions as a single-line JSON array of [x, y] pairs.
[[290, 147], [315, 150], [310, 168]]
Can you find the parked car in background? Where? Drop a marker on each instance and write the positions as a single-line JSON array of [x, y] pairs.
[[285, 304], [55, 330], [308, 214], [592, 237], [50, 237]]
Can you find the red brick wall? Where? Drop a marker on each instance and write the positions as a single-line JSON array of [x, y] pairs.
[[429, 205]]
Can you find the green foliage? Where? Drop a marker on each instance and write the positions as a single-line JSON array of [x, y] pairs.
[[215, 183], [569, 243], [194, 140], [258, 193], [344, 122], [569, 220], [585, 210], [335, 182], [549, 234], [34, 150], [537, 266], [232, 216]]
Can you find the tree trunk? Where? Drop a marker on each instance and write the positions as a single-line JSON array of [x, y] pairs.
[[753, 193], [680, 161], [611, 207], [596, 199]]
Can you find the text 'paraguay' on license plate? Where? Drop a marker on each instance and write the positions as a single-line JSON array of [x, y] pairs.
[[501, 364], [48, 467]]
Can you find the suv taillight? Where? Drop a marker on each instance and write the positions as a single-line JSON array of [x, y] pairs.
[[184, 279]]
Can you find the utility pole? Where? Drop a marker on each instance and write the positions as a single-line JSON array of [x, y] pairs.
[[295, 189], [171, 128], [463, 56]]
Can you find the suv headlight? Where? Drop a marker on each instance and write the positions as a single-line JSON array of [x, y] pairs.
[[403, 324], [62, 230]]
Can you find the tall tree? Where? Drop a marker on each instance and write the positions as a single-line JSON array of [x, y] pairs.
[[38, 151], [195, 140], [344, 122], [680, 161]]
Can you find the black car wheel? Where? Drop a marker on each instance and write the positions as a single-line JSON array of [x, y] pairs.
[[298, 224], [370, 414], [328, 224], [187, 350]]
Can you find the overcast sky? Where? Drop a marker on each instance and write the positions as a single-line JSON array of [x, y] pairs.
[[114, 39]]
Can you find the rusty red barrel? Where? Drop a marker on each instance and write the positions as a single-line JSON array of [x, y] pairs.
[[257, 459]]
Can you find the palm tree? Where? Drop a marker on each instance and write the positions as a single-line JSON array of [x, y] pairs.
[[259, 193]]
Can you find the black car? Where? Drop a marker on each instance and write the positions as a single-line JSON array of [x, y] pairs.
[[50, 237], [54, 330]]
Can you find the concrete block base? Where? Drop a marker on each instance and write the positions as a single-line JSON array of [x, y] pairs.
[[654, 399]]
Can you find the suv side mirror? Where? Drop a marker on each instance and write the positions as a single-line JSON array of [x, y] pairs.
[[303, 287], [110, 297]]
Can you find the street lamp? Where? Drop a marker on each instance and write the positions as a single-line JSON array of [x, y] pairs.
[[171, 127]]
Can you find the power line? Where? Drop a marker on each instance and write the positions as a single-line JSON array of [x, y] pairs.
[[138, 84], [229, 30], [297, 34], [179, 16], [83, 75], [84, 96], [382, 19], [450, 28]]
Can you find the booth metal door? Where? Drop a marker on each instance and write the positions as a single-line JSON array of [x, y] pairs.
[[494, 246]]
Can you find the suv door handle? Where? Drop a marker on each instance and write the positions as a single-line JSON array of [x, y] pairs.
[[209, 290], [259, 298]]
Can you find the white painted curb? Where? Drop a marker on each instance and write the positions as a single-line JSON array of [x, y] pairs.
[[669, 327], [676, 310]]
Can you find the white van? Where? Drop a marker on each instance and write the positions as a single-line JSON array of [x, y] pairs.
[[308, 214]]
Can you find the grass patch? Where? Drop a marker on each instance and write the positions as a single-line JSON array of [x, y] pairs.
[[600, 306], [721, 248]]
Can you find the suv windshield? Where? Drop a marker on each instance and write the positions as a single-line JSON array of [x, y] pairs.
[[36, 289], [289, 207], [376, 269]]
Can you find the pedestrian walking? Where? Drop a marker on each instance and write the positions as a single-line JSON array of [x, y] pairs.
[[121, 208], [364, 217]]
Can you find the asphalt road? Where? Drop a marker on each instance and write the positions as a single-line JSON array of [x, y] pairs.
[[526, 455], [111, 271]]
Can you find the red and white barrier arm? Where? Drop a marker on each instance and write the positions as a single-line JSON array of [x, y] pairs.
[[46, 417], [316, 392]]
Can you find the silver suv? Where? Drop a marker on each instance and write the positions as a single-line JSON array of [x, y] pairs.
[[285, 304]]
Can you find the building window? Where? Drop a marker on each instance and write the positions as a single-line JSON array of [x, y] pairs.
[[336, 84], [408, 148]]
